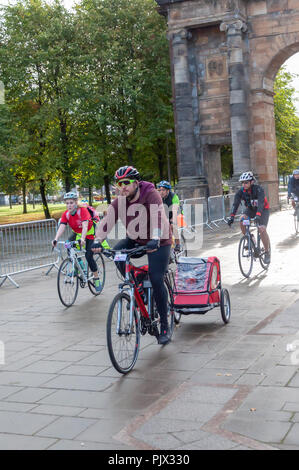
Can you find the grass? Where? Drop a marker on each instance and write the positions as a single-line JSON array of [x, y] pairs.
[[15, 215]]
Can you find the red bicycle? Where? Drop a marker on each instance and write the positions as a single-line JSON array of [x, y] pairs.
[[133, 311]]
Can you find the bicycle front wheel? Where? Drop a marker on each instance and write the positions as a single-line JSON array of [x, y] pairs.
[[245, 256], [102, 275], [123, 337], [67, 283]]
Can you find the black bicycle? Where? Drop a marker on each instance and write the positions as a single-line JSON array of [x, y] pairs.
[[251, 249]]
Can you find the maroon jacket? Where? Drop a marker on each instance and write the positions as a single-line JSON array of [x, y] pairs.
[[141, 217]]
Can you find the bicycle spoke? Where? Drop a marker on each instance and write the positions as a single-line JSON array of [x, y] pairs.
[[122, 337], [67, 283]]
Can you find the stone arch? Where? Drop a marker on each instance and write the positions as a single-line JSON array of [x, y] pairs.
[[225, 55]]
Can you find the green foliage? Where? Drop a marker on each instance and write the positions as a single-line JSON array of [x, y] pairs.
[[286, 122]]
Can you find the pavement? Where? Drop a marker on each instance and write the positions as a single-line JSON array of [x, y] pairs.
[[215, 386]]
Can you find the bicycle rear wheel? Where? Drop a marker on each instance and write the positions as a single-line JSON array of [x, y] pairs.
[[264, 265], [170, 314], [123, 339], [67, 283], [245, 256], [102, 274]]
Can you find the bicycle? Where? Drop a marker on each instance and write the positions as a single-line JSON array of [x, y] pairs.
[[132, 311], [74, 271], [251, 250], [296, 212]]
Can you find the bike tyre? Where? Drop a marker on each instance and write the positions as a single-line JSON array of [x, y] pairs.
[[102, 274], [116, 361], [225, 306], [246, 271], [66, 267], [264, 265]]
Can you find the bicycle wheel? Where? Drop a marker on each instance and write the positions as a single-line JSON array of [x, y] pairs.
[[264, 265], [102, 274], [245, 256], [171, 280], [170, 314], [67, 283], [225, 305], [123, 339]]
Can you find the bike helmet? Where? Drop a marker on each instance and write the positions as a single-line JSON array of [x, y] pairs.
[[70, 195], [296, 172], [127, 172], [247, 176], [164, 184]]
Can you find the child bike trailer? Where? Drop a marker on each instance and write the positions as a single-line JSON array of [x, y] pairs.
[[197, 288]]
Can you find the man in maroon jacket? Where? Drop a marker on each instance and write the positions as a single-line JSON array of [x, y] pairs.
[[140, 208]]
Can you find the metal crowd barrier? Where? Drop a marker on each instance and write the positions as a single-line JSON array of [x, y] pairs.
[[215, 210], [26, 246]]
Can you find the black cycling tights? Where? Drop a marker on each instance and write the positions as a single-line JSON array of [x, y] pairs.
[[157, 267]]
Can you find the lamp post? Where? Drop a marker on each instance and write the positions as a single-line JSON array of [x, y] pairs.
[[168, 131]]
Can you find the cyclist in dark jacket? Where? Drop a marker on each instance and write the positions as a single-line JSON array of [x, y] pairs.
[[171, 203], [293, 186], [257, 206]]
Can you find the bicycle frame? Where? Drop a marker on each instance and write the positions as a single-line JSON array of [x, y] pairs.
[[249, 234], [74, 255]]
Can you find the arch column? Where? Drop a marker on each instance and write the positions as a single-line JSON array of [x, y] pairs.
[[238, 83], [263, 141], [190, 170]]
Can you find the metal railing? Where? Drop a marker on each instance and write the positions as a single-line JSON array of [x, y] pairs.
[[26, 246]]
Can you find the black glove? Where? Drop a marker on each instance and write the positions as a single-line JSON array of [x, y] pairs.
[[153, 244], [177, 248], [230, 221], [258, 219], [54, 243]]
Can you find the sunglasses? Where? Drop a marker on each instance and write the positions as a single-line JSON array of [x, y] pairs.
[[124, 183]]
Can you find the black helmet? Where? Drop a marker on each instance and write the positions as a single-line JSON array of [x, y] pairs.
[[127, 172]]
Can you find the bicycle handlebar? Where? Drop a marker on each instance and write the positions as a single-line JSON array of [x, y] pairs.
[[109, 252]]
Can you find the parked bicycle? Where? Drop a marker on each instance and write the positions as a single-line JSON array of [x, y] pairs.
[[296, 212], [251, 249], [133, 311], [74, 271]]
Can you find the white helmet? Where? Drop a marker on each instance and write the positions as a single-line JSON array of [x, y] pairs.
[[247, 176], [296, 172]]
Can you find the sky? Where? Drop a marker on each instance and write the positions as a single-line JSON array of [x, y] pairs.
[[292, 64]]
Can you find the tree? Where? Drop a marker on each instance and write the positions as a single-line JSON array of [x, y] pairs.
[[286, 122]]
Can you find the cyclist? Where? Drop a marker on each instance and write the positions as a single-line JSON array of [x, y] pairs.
[[172, 203], [293, 187], [257, 206], [139, 207], [79, 219]]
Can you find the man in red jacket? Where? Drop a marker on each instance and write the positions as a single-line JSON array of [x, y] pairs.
[[140, 208]]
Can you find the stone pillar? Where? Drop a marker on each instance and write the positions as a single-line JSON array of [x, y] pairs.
[[191, 182], [263, 142], [238, 97], [212, 161]]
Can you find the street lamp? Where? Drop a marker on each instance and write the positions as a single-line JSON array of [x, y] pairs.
[[168, 131]]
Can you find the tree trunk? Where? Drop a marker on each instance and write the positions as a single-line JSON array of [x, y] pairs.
[[42, 187], [24, 197], [10, 202], [90, 195], [107, 188]]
